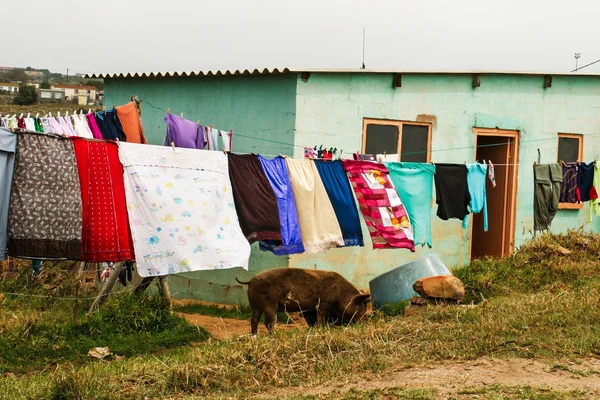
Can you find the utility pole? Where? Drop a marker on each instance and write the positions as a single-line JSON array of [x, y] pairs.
[[67, 76], [577, 57]]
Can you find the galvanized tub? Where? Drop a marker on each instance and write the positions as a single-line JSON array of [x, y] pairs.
[[396, 285]]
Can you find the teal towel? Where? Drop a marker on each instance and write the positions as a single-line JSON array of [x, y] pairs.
[[414, 183]]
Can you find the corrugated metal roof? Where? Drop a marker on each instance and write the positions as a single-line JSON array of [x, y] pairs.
[[276, 71]]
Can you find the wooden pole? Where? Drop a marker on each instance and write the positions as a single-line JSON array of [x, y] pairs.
[[165, 291], [79, 277]]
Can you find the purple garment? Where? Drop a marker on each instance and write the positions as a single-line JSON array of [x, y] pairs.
[[55, 126], [183, 133], [277, 174], [66, 126], [568, 193]]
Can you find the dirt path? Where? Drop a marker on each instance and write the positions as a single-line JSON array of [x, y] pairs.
[[227, 328], [449, 379]]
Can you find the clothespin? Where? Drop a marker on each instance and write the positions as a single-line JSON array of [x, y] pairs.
[[104, 110], [253, 153], [465, 162], [224, 152], [50, 114], [37, 115], [58, 114], [168, 111], [28, 115], [384, 153], [198, 122], [211, 128], [173, 145], [66, 113], [484, 161], [181, 115], [118, 142], [21, 116], [432, 163]]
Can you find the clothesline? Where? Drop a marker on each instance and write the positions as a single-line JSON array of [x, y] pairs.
[[401, 153]]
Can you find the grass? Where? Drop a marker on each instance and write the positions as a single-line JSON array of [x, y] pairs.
[[538, 304], [37, 333]]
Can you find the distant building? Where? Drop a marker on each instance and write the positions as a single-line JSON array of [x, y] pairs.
[[51, 95], [34, 74], [72, 91], [6, 69], [9, 87]]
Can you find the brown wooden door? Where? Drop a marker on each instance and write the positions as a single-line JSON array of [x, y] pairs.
[[497, 241]]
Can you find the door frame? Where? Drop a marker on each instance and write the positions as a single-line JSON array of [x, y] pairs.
[[508, 133]]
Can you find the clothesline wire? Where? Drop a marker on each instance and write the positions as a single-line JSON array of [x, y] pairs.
[[402, 153], [41, 296]]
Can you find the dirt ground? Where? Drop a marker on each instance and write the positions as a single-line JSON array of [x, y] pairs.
[[447, 378], [226, 328]]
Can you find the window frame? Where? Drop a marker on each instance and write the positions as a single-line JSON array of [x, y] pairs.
[[561, 205], [399, 124]]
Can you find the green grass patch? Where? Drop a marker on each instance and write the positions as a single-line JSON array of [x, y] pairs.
[[538, 265], [394, 309], [126, 324]]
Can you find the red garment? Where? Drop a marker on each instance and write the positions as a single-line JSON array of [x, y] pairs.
[[593, 193], [21, 122], [106, 235], [380, 204]]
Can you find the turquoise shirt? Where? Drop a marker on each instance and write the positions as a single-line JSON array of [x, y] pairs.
[[414, 183], [476, 178]]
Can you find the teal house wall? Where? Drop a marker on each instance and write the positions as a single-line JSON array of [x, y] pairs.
[[259, 109], [285, 112], [331, 108]]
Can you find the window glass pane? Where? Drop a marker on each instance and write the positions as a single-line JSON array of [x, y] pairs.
[[381, 138], [568, 149], [414, 143]]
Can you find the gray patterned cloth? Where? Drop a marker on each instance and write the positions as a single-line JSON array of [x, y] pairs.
[[45, 205]]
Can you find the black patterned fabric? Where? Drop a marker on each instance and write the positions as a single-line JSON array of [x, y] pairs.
[[45, 205]]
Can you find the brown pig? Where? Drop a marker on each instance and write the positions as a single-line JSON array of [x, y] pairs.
[[320, 296]]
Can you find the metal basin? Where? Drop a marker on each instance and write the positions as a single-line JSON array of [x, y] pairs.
[[396, 285]]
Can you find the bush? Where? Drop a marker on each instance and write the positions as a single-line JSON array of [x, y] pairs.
[[26, 96]]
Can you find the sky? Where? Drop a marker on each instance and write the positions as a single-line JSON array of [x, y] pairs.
[[176, 35]]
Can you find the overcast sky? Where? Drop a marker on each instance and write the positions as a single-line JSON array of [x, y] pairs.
[[150, 35]]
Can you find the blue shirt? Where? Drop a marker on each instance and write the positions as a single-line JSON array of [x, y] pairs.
[[476, 175]]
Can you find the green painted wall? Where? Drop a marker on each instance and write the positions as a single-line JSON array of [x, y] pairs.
[[259, 109], [331, 108], [255, 108]]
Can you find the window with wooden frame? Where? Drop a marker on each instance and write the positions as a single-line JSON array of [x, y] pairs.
[[570, 149], [411, 140]]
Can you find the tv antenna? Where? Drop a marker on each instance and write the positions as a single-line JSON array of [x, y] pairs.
[[363, 59]]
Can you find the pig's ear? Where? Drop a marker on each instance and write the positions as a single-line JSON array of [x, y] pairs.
[[361, 298]]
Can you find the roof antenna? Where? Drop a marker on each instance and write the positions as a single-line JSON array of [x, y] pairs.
[[363, 59]]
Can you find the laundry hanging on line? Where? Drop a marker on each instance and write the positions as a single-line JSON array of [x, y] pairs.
[[45, 203], [181, 210], [8, 148], [382, 209], [414, 182]]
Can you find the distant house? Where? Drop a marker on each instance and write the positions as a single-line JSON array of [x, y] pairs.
[[72, 91], [9, 87], [34, 74], [51, 95]]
